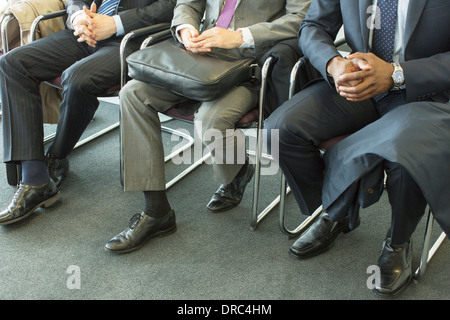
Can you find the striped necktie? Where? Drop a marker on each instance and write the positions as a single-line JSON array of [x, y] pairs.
[[227, 14], [108, 7], [383, 37]]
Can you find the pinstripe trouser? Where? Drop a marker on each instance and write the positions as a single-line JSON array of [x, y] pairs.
[[86, 73]]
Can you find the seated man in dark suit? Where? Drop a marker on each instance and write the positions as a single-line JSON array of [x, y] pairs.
[[86, 54], [251, 29], [400, 56]]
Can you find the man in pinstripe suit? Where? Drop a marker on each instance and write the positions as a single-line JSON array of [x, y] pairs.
[[86, 54]]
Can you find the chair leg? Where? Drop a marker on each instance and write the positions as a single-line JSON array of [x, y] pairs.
[[256, 218], [428, 253], [188, 145], [181, 149], [292, 233], [96, 135]]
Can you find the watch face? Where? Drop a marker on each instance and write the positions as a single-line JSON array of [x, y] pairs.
[[398, 77]]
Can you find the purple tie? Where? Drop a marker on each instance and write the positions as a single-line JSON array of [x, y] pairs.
[[227, 14]]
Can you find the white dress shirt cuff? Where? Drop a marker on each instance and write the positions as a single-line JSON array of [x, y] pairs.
[[74, 15], [247, 36], [119, 25]]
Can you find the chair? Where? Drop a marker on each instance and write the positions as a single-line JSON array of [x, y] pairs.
[[254, 118], [13, 171], [427, 251]]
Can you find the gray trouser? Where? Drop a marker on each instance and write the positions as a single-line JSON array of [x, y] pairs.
[[141, 140]]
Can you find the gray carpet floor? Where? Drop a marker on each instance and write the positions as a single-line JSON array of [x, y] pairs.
[[58, 253]]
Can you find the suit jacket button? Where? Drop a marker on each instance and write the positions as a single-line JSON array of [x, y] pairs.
[[370, 190]]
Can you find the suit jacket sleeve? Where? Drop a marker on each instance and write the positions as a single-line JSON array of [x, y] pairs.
[[318, 31], [267, 34], [157, 11], [188, 12]]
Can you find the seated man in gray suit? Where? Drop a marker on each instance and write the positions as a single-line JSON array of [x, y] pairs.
[[400, 56], [252, 28], [86, 56]]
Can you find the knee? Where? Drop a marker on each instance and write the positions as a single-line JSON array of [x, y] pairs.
[[8, 62], [285, 127], [128, 90], [76, 83], [3, 64], [132, 93], [208, 125]]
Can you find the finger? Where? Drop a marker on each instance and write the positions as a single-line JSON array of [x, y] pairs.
[[93, 7], [356, 98], [358, 55], [83, 30], [199, 50], [207, 42], [201, 37], [361, 64], [352, 76], [88, 13], [88, 40], [190, 44]]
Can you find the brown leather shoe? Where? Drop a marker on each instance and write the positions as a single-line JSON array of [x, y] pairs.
[[27, 199]]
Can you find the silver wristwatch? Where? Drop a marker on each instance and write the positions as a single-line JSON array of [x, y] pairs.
[[398, 77]]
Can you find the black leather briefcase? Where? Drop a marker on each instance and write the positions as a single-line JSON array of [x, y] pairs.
[[201, 77]]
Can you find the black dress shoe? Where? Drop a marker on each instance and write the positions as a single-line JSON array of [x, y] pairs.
[[141, 228], [27, 199], [230, 195], [395, 265], [319, 237], [57, 168]]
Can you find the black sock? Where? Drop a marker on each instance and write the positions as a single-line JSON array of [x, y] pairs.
[[34, 172], [156, 203]]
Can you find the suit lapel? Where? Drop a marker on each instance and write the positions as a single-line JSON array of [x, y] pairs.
[[415, 10], [364, 15]]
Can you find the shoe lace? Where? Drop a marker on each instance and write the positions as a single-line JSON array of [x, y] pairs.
[[134, 220], [18, 191]]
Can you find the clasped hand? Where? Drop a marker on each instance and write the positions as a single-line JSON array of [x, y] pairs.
[[91, 27], [212, 38], [361, 76]]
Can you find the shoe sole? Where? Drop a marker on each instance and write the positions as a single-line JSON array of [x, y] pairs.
[[233, 206], [294, 253], [45, 204], [160, 234]]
